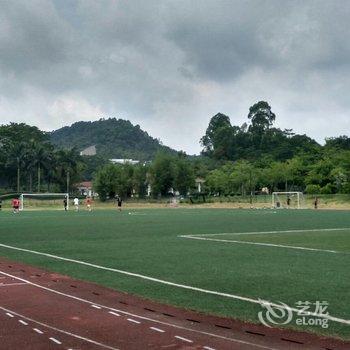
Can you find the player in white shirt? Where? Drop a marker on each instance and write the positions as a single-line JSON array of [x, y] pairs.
[[76, 203]]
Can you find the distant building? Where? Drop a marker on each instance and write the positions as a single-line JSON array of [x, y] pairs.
[[89, 151], [85, 188], [124, 161]]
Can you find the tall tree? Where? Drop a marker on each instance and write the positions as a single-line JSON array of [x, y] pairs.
[[163, 174], [261, 116], [184, 175], [218, 135]]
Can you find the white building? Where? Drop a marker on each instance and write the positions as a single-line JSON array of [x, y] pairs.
[[89, 151], [124, 161]]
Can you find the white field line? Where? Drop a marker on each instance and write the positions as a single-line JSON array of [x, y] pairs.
[[138, 316], [59, 330], [207, 237], [264, 244], [268, 232]]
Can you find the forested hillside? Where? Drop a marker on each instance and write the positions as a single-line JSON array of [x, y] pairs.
[[113, 138]]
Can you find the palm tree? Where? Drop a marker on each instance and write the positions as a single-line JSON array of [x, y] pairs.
[[42, 159], [16, 157], [68, 161]]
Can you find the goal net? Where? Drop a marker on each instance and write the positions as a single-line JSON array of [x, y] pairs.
[[43, 200], [285, 200]]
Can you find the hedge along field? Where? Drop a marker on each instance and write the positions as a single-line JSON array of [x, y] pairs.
[[148, 243]]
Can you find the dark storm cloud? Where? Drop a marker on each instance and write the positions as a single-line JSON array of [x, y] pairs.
[[171, 65]]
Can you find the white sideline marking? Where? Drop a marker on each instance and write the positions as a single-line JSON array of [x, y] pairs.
[[38, 330], [60, 330], [269, 232], [137, 316], [96, 307], [55, 341], [184, 339], [183, 286], [265, 244], [113, 313], [22, 322], [157, 329], [9, 315], [134, 321]]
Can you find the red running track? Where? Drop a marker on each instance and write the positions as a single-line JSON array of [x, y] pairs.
[[43, 310]]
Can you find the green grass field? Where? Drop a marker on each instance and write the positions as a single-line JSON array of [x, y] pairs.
[[263, 264]]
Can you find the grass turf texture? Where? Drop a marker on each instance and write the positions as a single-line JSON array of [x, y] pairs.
[[147, 243]]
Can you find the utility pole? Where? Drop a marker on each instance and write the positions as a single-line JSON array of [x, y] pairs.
[[68, 178]]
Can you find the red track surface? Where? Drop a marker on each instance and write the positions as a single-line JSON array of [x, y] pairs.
[[41, 310]]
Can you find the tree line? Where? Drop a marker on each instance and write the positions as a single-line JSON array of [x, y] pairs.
[[256, 155], [29, 162], [164, 176], [235, 160]]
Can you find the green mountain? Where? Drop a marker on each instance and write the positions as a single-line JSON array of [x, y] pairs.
[[112, 138]]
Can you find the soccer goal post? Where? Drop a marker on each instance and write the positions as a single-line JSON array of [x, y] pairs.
[[287, 200], [25, 198]]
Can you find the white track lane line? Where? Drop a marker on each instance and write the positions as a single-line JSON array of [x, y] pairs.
[[114, 313], [55, 341], [157, 329], [234, 340], [184, 339], [11, 284], [38, 331], [182, 286], [133, 321], [9, 315], [60, 330], [208, 348], [23, 322], [96, 307]]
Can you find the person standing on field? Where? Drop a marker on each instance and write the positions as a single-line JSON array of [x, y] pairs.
[[89, 203], [15, 205], [119, 203], [288, 202], [65, 204], [316, 203], [76, 203]]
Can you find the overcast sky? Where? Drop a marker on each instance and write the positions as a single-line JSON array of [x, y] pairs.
[[171, 65]]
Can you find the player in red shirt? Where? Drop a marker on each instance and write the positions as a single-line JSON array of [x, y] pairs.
[[15, 205], [89, 203]]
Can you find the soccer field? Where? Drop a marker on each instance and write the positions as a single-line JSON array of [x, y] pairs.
[[213, 260]]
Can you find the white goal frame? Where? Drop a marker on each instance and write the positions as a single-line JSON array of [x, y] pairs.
[[23, 195], [275, 195]]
